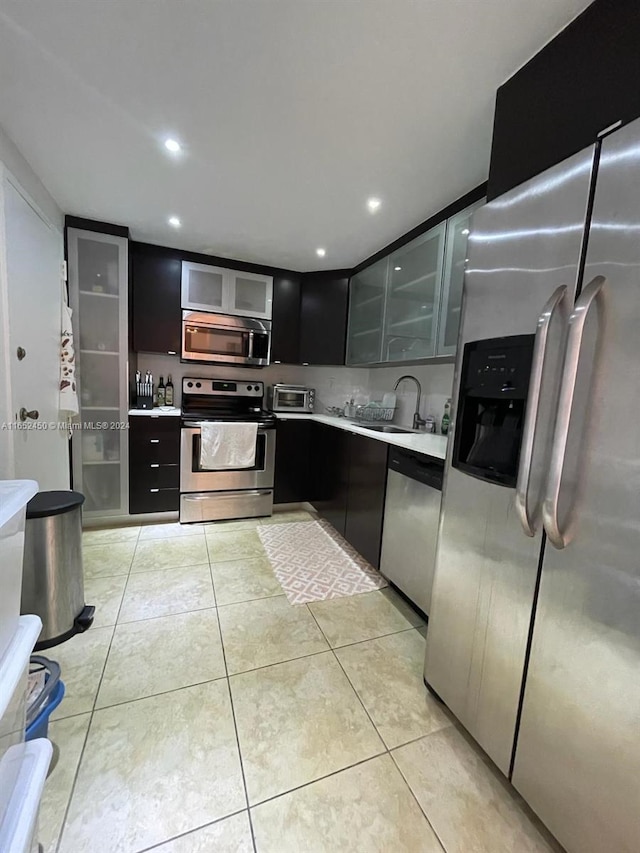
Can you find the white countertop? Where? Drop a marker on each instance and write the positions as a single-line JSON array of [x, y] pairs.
[[165, 412], [421, 442]]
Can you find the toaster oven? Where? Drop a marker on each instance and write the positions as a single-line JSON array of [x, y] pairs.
[[291, 398]]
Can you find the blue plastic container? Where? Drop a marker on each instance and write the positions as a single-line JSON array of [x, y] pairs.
[[48, 700], [40, 725]]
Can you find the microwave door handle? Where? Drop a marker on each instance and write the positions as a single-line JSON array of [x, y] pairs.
[[577, 320], [250, 347], [529, 524]]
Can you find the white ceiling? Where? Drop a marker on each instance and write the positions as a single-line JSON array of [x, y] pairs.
[[292, 113]]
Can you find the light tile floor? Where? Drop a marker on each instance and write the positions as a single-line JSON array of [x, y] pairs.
[[205, 713]]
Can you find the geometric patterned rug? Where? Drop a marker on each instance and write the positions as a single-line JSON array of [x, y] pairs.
[[313, 562]]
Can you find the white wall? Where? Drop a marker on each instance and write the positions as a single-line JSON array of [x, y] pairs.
[[334, 385], [15, 163]]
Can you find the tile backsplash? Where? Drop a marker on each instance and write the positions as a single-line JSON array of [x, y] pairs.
[[436, 381], [334, 385]]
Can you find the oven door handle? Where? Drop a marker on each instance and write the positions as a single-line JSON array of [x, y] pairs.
[[198, 424]]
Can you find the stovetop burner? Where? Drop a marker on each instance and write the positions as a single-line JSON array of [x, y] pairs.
[[224, 400]]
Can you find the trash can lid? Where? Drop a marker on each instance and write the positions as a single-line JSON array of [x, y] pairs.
[[45, 504]]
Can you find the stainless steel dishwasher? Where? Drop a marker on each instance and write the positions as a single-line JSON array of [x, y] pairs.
[[410, 534]]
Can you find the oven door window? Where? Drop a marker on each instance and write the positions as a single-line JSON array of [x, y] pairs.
[[261, 447], [213, 341], [291, 399]]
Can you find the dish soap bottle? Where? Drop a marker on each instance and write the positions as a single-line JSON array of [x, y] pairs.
[[446, 418]]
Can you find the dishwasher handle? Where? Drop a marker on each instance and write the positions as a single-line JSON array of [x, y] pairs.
[[424, 469]]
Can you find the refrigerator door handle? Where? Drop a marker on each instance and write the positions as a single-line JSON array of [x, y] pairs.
[[565, 403], [529, 524]]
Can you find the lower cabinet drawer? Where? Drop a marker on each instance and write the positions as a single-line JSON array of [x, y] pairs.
[[145, 499], [154, 476]]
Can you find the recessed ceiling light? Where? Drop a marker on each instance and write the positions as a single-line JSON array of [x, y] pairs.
[[172, 145], [174, 221], [397, 269], [373, 204], [465, 231], [321, 252]]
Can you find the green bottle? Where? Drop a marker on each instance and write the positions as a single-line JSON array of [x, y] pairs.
[[446, 418]]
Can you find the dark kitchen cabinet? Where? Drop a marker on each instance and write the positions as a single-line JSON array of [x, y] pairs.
[[365, 501], [582, 82], [349, 478], [323, 317], [155, 282], [293, 445], [154, 464], [285, 330], [330, 473]]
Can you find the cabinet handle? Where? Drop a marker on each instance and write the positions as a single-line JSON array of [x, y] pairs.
[[154, 490], [155, 465], [154, 441]]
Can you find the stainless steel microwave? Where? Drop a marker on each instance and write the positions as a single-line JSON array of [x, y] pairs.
[[291, 398], [221, 339]]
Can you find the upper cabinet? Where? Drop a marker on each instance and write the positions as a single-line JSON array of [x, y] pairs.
[[155, 282], [366, 314], [250, 294], [309, 318], [406, 306], [323, 318], [285, 329], [413, 290], [226, 291], [458, 228]]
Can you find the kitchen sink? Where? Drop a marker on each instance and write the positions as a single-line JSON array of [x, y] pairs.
[[386, 428]]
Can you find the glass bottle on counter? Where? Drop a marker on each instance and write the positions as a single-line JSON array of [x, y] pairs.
[[446, 418], [161, 394], [168, 392]]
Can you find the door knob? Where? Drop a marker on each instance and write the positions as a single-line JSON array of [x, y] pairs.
[[34, 414]]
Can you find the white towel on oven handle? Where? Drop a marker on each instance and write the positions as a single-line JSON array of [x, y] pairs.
[[227, 445]]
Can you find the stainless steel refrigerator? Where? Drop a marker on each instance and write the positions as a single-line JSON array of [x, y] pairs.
[[534, 632]]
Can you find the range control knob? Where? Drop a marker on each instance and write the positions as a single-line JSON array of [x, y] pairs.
[[249, 387], [198, 384], [189, 384]]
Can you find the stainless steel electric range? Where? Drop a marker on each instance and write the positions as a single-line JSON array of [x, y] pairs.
[[208, 494]]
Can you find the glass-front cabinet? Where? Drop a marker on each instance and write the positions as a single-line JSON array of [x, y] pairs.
[[406, 306], [458, 229], [366, 314], [413, 291], [225, 291], [98, 276]]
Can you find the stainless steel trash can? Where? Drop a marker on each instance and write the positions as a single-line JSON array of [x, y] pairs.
[[52, 578]]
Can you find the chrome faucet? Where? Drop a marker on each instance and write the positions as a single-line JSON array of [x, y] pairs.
[[417, 420]]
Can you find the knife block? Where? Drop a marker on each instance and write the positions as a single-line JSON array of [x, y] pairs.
[[144, 402]]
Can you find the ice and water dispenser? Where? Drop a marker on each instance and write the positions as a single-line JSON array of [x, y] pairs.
[[493, 392]]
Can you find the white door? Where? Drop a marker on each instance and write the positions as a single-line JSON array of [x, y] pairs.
[[33, 262]]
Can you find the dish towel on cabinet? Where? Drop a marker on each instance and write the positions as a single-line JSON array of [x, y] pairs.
[[68, 393], [227, 445]]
